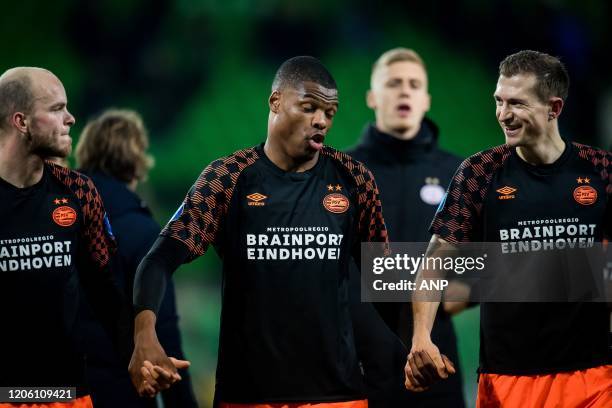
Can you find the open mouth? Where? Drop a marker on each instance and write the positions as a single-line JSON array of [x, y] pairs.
[[511, 130], [316, 141], [403, 109]]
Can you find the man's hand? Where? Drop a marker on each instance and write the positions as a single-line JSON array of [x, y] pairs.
[[150, 368], [426, 365], [158, 379]]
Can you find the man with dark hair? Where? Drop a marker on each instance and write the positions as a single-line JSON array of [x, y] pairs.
[[298, 70], [412, 172], [531, 354], [285, 217], [112, 150], [54, 234]]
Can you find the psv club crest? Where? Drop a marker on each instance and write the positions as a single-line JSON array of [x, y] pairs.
[[584, 194], [336, 203], [64, 216]]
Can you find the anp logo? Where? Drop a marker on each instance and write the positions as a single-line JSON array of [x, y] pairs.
[[64, 216], [336, 203]]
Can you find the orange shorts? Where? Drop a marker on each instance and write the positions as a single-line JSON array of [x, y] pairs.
[[591, 388], [83, 402], [345, 404]]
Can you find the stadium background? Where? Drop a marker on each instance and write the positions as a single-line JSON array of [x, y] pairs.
[[200, 72]]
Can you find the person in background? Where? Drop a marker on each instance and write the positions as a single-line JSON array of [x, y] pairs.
[[112, 150], [401, 149]]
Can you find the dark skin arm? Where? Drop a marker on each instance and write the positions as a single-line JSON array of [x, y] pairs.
[[150, 368]]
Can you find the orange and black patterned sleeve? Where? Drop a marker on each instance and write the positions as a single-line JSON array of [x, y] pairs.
[[97, 232], [458, 214], [371, 223], [602, 163], [99, 243], [372, 226], [199, 219]]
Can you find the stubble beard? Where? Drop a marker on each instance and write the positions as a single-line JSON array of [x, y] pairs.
[[47, 146]]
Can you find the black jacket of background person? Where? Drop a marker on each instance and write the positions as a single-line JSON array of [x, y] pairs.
[[135, 231], [409, 173]]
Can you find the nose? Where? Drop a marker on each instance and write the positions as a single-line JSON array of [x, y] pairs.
[[70, 120], [503, 113], [319, 120]]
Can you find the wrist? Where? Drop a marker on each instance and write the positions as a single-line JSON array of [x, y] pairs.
[[144, 326], [421, 335]]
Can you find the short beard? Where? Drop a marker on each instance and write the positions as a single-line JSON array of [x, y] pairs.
[[45, 148]]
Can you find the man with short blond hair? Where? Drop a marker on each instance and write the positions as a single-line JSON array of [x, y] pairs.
[[398, 54], [412, 171]]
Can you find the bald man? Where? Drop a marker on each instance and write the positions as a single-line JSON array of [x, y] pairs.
[[54, 235]]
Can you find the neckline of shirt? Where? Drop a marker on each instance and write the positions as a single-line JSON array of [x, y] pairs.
[[28, 189], [291, 175], [550, 167]]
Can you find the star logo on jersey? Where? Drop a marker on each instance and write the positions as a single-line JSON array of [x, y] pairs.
[[584, 195], [506, 193], [584, 180], [59, 201], [256, 199], [64, 216], [336, 203]]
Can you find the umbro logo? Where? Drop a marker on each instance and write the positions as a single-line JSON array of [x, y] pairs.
[[256, 199], [507, 193]]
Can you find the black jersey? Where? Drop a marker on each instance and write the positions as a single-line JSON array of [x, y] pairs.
[[48, 230], [495, 196], [285, 240], [412, 176]]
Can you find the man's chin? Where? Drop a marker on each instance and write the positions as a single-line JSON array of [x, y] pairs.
[[53, 152], [307, 154]]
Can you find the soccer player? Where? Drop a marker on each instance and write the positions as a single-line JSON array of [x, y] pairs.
[[54, 234], [112, 150], [412, 173], [286, 217], [531, 354]]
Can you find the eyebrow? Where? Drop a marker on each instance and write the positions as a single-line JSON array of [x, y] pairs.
[[319, 99], [511, 100]]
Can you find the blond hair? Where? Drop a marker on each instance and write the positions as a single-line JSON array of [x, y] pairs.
[[115, 143], [395, 55]]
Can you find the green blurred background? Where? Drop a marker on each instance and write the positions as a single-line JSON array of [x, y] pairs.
[[200, 73]]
